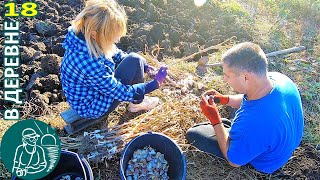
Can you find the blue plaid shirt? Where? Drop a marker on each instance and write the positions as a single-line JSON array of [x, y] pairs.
[[89, 83]]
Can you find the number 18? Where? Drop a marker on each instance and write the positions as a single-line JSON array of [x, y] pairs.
[[28, 9]]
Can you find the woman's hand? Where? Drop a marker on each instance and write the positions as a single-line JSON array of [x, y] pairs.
[[161, 75]]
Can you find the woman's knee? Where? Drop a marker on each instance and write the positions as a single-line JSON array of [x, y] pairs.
[[136, 59]]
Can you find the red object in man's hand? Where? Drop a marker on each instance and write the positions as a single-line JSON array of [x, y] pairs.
[[209, 109], [218, 98]]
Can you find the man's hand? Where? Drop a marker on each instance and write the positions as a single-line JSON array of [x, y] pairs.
[[218, 98], [209, 109]]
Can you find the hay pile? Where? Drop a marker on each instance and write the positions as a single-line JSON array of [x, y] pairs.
[[178, 111]]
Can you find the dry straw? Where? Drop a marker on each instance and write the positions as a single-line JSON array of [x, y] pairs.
[[176, 113]]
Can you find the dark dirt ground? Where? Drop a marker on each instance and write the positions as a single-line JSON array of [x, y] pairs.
[[177, 26]]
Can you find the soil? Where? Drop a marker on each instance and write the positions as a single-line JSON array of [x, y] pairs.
[[178, 27]]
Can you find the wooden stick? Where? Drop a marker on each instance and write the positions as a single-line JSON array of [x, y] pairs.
[[275, 53], [215, 64], [215, 47], [286, 51]]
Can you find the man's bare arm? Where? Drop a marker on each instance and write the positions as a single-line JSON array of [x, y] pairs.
[[235, 100], [223, 141]]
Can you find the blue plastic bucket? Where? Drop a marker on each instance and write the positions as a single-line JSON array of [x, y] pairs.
[[69, 164], [163, 144]]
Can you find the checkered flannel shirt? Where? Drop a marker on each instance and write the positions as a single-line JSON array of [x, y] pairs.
[[88, 82]]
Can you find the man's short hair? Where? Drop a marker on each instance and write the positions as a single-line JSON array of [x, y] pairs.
[[246, 56]]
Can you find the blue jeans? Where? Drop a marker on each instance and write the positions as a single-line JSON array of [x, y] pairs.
[[129, 71], [203, 137]]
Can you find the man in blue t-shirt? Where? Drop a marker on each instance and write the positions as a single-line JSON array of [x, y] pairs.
[[268, 125]]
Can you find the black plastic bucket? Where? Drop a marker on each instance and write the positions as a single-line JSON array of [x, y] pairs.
[[69, 164], [163, 144]]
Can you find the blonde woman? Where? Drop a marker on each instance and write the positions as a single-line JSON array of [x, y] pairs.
[[95, 75]]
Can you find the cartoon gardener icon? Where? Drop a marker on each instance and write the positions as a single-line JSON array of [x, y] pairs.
[[29, 157]]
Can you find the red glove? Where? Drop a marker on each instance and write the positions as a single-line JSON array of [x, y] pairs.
[[217, 97], [209, 109]]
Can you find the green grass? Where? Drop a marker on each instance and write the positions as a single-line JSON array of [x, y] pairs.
[[290, 23], [274, 25], [234, 8]]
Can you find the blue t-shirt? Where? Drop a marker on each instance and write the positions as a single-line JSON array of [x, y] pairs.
[[266, 131]]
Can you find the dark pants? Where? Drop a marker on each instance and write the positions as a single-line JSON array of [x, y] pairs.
[[129, 71], [203, 137]]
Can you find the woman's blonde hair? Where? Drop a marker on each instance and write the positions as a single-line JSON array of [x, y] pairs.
[[107, 19]]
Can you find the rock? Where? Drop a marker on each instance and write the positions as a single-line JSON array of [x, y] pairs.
[[58, 49], [185, 22], [74, 3], [194, 37], [48, 96], [46, 28], [132, 3], [61, 96], [48, 42], [35, 65], [205, 35], [153, 14], [24, 81], [26, 70], [37, 55], [33, 38], [138, 15], [52, 11], [214, 41], [160, 3], [44, 83], [50, 82], [39, 46], [157, 33], [29, 39], [141, 41], [55, 5], [54, 98], [166, 45], [51, 64], [34, 82], [45, 97], [189, 48], [174, 36], [60, 39], [27, 54]]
